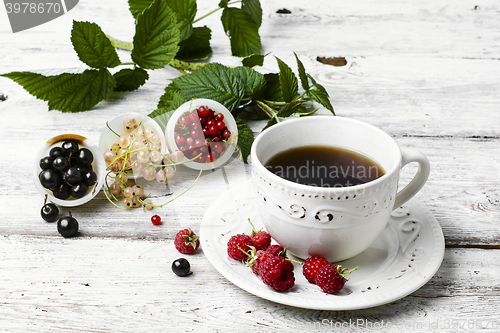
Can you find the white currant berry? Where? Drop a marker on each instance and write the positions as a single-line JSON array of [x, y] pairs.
[[128, 192], [143, 156], [127, 203], [149, 132], [156, 139], [138, 190], [130, 125], [124, 141], [160, 176], [177, 156], [115, 189], [135, 202], [109, 156], [149, 173], [155, 156], [148, 204]]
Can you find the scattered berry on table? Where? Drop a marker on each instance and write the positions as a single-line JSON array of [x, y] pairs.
[[67, 226], [238, 245], [181, 267], [49, 212], [156, 219], [311, 267], [277, 273], [331, 279], [186, 241]]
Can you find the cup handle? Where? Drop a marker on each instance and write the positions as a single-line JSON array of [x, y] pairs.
[[418, 181]]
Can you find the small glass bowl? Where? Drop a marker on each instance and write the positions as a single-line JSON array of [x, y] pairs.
[[98, 166], [228, 120]]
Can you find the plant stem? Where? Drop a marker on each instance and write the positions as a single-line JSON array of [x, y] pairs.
[[213, 11]]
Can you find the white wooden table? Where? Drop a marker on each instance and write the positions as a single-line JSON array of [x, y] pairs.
[[425, 72]]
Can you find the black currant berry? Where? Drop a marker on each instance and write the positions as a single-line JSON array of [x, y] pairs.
[[89, 178], [72, 175], [60, 163], [62, 191], [69, 148], [79, 190], [55, 152], [49, 212], [46, 162], [67, 226], [50, 178], [181, 267], [84, 157]]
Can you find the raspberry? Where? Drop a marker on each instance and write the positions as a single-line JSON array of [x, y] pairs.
[[330, 278], [261, 239], [311, 267], [276, 250], [238, 245], [258, 260], [277, 273], [186, 241]]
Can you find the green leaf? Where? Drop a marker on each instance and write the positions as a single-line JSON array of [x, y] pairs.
[[197, 46], [273, 121], [92, 45], [290, 108], [245, 139], [302, 74], [272, 91], [136, 7], [156, 36], [243, 32], [223, 3], [253, 60], [119, 44], [169, 102], [320, 95], [288, 81], [253, 81], [186, 12], [130, 79], [68, 92], [253, 8], [213, 81]]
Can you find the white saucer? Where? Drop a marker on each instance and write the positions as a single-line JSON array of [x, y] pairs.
[[405, 256]]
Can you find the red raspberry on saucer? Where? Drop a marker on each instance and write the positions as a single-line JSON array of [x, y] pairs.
[[331, 278], [186, 241], [257, 258], [311, 267], [276, 250], [238, 246], [277, 273], [261, 239]]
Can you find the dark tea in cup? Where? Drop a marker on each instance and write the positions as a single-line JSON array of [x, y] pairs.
[[324, 166]]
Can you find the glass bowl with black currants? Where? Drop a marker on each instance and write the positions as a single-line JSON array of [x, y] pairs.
[[69, 169]]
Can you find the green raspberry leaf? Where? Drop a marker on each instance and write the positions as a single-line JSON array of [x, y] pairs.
[[243, 32], [213, 81], [320, 95], [273, 88], [92, 45], [186, 12], [169, 102], [302, 74], [156, 36], [252, 80], [130, 79], [223, 3], [245, 139], [288, 81], [136, 7], [253, 8], [253, 60], [68, 92], [197, 46]]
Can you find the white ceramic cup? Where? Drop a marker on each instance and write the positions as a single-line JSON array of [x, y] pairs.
[[334, 222]]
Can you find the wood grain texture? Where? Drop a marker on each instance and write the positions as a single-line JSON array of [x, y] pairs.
[[425, 72]]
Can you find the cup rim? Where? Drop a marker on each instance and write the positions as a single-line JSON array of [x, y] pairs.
[[256, 163]]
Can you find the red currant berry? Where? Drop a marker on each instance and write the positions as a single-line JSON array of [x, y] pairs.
[[217, 148], [220, 124], [205, 132], [210, 114], [217, 139], [193, 125], [189, 141], [193, 117], [198, 143], [180, 139], [201, 159], [156, 219], [211, 122], [195, 133], [212, 130], [219, 117], [226, 134], [209, 157], [202, 111], [203, 121], [183, 120]]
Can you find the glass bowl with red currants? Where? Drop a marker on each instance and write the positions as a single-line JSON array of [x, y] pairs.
[[205, 131]]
